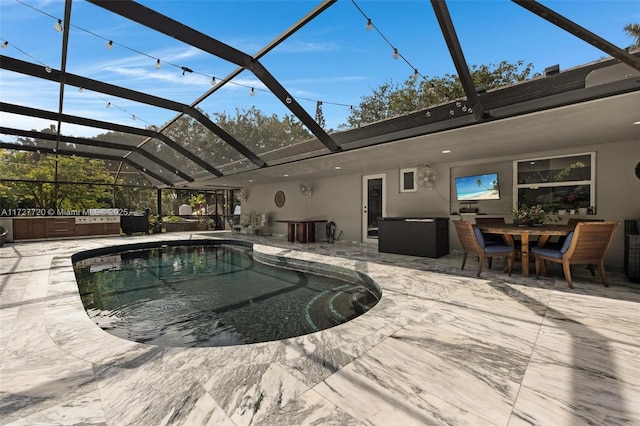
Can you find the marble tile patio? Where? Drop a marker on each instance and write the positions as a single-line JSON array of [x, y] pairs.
[[442, 347]]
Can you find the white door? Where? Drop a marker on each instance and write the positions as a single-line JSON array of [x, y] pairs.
[[374, 206]]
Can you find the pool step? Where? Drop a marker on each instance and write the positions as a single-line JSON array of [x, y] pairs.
[[336, 307]]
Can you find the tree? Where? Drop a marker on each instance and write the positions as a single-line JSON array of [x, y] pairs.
[[35, 174], [391, 100], [633, 30], [320, 115]]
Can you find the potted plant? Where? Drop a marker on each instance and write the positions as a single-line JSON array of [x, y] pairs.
[[521, 215], [531, 216], [537, 215]]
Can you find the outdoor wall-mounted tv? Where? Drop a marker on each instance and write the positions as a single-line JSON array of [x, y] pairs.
[[478, 187]]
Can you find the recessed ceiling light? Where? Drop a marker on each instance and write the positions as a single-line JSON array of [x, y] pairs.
[[637, 122], [338, 167], [286, 175], [250, 180], [533, 162], [446, 151]]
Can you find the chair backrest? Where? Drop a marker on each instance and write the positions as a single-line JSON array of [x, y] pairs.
[[591, 240], [467, 237], [574, 221], [490, 220]]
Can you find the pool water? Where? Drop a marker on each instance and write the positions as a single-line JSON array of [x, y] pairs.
[[211, 295]]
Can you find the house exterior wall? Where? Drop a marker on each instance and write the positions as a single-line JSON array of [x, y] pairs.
[[338, 199]]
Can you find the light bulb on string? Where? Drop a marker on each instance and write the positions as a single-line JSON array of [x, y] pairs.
[[415, 75], [213, 80], [58, 26], [396, 55], [108, 104], [158, 64], [252, 92], [369, 25], [109, 45], [80, 89], [5, 44], [48, 69]]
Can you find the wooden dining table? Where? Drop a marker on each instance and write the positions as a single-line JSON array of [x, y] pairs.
[[508, 231]]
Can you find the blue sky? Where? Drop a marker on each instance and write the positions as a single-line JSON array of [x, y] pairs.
[[333, 59]]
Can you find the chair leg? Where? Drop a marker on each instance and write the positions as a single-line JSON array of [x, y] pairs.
[[567, 273], [537, 262], [480, 263], [464, 260], [603, 275], [510, 261], [489, 262], [592, 269]]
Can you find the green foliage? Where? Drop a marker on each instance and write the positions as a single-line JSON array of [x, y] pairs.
[[391, 100], [633, 31], [35, 173]]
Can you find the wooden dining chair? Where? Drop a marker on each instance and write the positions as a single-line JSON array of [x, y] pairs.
[[572, 223], [587, 245], [473, 244], [491, 239]]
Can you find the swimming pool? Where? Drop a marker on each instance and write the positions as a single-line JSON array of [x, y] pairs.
[[210, 293]]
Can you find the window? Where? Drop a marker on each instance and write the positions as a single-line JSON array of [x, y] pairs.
[[560, 184], [408, 180]]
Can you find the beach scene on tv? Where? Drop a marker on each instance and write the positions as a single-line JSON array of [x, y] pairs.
[[477, 188]]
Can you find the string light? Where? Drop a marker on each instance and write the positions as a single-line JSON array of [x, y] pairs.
[[5, 44], [397, 54], [158, 64], [48, 69], [80, 89], [58, 26], [109, 45], [369, 25], [252, 92]]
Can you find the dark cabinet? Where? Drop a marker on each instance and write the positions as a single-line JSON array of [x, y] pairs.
[[426, 237], [134, 223]]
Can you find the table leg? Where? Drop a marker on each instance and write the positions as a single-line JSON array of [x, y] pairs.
[[301, 232], [291, 232], [311, 232], [524, 238]]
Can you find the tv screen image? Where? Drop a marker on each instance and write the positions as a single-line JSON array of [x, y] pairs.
[[478, 187]]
